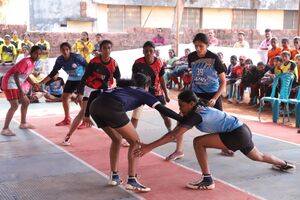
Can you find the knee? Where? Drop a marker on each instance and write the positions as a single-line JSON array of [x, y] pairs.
[[14, 107], [197, 141]]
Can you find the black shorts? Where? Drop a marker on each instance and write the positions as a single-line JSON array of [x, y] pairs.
[[71, 86], [108, 112], [209, 96], [238, 139], [161, 99], [56, 95]]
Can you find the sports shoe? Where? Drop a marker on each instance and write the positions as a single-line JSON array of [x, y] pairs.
[[288, 167], [174, 156], [124, 143], [66, 121], [7, 132], [66, 143], [82, 126], [133, 184], [26, 126], [201, 185], [114, 180]]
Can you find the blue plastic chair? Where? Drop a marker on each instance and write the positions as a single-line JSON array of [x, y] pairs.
[[285, 80], [297, 107]]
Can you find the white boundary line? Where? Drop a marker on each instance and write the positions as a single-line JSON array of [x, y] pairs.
[[274, 138], [81, 161], [197, 172]]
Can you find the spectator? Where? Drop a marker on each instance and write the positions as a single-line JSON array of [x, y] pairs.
[[8, 52], [45, 46], [1, 39], [274, 51], [285, 45], [26, 44], [289, 65], [297, 61], [158, 40], [16, 41], [256, 74], [296, 51], [266, 43], [212, 40], [54, 89], [180, 68], [236, 76], [246, 78], [220, 55], [241, 43], [97, 50], [84, 46], [170, 67], [233, 63]]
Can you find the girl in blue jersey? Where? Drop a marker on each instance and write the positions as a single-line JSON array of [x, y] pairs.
[[74, 65], [109, 109], [226, 132]]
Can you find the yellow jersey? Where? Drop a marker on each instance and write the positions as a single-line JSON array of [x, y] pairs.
[[1, 41], [44, 46], [8, 52], [16, 42], [26, 45], [78, 47]]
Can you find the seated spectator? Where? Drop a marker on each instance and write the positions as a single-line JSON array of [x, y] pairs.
[[158, 40], [170, 67], [256, 74], [296, 51], [233, 63], [180, 68], [235, 79], [220, 55], [274, 51], [297, 61], [289, 65], [212, 40], [241, 43], [266, 43], [54, 89], [246, 78], [285, 45], [267, 80]]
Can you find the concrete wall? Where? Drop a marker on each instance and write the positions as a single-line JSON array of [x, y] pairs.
[[74, 26], [211, 18], [159, 17], [49, 15], [14, 12], [269, 19]]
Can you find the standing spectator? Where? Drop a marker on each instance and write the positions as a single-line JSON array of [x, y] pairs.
[[84, 46], [296, 51], [274, 51], [16, 41], [241, 43], [26, 44], [45, 46], [285, 45], [266, 43], [97, 50], [220, 55], [159, 40], [8, 52], [212, 40]]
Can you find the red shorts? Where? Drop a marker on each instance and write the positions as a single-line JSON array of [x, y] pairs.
[[11, 94]]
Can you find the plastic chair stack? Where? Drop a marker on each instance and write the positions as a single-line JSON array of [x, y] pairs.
[[284, 81]]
